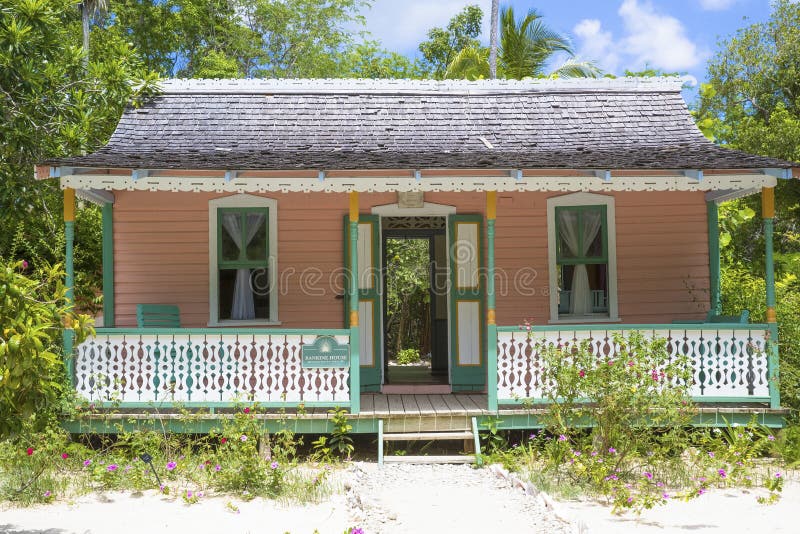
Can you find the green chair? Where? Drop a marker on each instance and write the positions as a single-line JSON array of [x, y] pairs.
[[158, 316], [711, 317]]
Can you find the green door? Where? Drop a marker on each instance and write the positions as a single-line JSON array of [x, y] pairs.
[[467, 305], [369, 301]]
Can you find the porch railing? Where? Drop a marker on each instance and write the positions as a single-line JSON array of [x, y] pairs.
[[209, 367], [730, 363]]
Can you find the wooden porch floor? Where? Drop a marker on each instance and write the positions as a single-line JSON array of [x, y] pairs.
[[392, 405]]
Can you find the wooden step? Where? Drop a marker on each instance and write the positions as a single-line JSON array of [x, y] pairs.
[[427, 436], [430, 459]]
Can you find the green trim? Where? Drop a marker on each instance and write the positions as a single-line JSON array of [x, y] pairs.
[[712, 211], [490, 267], [108, 265], [380, 441], [491, 363], [224, 331], [717, 419], [614, 327], [467, 377], [476, 436], [354, 266], [242, 262], [769, 261], [773, 367], [355, 370], [69, 267], [583, 260]]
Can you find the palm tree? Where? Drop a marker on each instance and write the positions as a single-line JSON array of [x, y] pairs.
[[525, 48], [89, 9], [493, 41]]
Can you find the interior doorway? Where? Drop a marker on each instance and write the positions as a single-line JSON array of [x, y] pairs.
[[415, 341]]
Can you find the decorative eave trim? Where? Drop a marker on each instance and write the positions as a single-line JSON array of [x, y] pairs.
[[95, 196], [710, 182]]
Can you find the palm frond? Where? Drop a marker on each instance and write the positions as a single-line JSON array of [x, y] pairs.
[[471, 63], [573, 68]]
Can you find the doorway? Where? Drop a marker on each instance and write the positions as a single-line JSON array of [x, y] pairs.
[[415, 340]]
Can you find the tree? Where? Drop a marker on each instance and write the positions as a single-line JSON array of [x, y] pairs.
[[443, 44], [493, 40], [89, 9], [526, 45], [52, 106], [752, 103]]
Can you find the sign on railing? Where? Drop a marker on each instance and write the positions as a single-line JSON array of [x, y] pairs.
[[189, 366]]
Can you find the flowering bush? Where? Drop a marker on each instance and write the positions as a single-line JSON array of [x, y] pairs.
[[624, 396]]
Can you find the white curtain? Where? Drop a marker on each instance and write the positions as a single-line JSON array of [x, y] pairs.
[[243, 306], [569, 228]]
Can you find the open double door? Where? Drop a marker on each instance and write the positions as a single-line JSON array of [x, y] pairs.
[[466, 307]]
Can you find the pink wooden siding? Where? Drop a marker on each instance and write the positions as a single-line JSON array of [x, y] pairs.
[[161, 254]]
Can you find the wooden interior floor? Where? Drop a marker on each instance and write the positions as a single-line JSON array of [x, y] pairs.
[[378, 404], [406, 374]]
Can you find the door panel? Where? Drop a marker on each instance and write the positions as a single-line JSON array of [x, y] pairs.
[[467, 306], [369, 284]]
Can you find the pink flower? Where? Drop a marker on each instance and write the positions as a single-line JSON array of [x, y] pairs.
[[112, 468], [247, 410], [25, 266], [188, 494], [630, 363], [771, 437], [582, 373], [64, 455], [777, 475], [610, 362], [700, 491], [722, 473], [274, 465], [665, 496], [648, 476], [562, 437], [47, 494], [710, 454], [217, 467], [171, 466], [29, 450], [612, 450], [87, 463], [243, 438], [223, 441]]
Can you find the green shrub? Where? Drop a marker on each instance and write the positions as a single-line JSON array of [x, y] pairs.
[[32, 313], [407, 356]]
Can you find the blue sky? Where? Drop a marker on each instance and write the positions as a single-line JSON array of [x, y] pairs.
[[675, 35]]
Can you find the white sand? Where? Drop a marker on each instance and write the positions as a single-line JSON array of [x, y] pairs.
[[150, 513], [722, 511]]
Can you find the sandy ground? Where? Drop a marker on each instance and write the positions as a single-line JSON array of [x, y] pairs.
[[718, 511], [403, 499]]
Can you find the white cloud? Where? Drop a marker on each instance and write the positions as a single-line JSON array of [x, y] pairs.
[[650, 38], [402, 25], [716, 5]]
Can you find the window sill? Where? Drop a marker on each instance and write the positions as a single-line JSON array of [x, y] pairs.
[[582, 320], [249, 324]]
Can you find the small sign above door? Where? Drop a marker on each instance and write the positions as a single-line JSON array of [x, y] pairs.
[[410, 199], [325, 352]]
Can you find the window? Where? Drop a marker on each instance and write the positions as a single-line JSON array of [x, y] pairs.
[[582, 252], [242, 234]]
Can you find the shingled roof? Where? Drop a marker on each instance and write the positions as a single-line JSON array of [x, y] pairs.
[[627, 123]]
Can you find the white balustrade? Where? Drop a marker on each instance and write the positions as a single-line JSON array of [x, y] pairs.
[[726, 363], [205, 368]]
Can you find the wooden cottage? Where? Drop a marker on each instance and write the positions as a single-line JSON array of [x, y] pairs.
[[254, 214]]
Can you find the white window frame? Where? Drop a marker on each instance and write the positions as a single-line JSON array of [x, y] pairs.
[[582, 199], [242, 201]]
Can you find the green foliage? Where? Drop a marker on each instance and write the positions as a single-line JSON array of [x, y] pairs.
[[526, 45], [32, 374], [742, 290], [339, 443], [407, 295], [407, 356], [788, 445], [54, 105], [444, 43], [624, 398]]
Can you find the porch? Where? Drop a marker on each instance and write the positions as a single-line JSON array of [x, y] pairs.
[[140, 376]]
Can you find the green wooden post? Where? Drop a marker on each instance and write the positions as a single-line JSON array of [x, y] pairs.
[[768, 214], [355, 339], [491, 320], [108, 264], [714, 256], [69, 282]]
